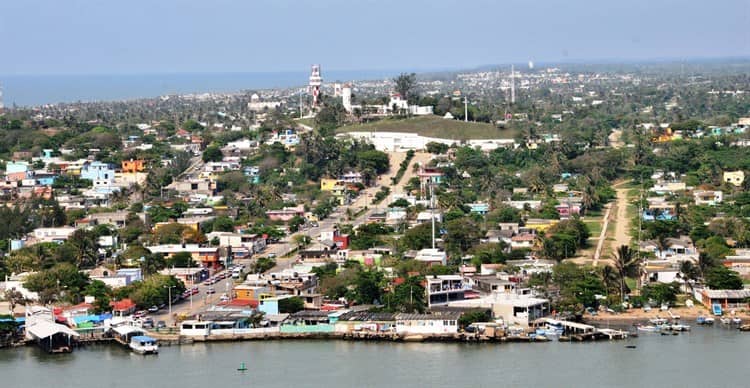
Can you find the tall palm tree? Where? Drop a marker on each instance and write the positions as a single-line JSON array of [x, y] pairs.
[[627, 264], [689, 271], [610, 278]]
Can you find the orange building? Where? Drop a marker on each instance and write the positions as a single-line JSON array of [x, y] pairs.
[[132, 166]]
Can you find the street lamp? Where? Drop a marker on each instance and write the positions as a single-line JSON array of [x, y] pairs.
[[169, 290]]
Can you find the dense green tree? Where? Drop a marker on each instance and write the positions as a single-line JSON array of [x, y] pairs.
[[723, 278]]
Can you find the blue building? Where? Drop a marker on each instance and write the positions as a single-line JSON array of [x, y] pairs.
[[102, 173]]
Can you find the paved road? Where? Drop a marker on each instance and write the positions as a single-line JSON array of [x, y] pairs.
[[282, 250], [285, 247]]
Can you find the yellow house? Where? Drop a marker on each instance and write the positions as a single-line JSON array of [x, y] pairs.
[[734, 177], [328, 184], [540, 225], [248, 292]]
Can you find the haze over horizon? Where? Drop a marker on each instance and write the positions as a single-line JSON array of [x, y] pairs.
[[190, 36]]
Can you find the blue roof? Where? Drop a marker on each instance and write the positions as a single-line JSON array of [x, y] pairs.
[[144, 338]]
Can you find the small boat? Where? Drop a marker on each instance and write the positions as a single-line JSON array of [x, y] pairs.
[[657, 321], [242, 367], [143, 344], [648, 328], [725, 320], [680, 327], [709, 321], [737, 320], [630, 346], [744, 328]]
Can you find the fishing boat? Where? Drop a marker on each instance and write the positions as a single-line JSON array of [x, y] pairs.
[[143, 344]]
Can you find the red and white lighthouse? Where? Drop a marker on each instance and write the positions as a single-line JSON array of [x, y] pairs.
[[315, 82]]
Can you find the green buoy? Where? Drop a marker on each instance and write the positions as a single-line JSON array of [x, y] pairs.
[[242, 367]]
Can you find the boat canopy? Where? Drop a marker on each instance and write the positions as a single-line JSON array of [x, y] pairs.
[[143, 338]]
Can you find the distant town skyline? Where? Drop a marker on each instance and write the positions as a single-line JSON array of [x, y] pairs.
[[184, 36]]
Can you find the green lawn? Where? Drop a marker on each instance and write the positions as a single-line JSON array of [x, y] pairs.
[[595, 227], [306, 121], [433, 126]]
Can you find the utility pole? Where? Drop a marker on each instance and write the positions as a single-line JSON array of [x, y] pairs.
[[432, 213], [466, 109], [512, 84]]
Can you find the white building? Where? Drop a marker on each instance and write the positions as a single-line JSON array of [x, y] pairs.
[[444, 323], [432, 256], [53, 234]]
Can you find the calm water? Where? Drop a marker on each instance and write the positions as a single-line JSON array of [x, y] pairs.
[[707, 357], [46, 89]]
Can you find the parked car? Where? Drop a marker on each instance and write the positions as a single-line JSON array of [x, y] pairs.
[[153, 309], [271, 255], [161, 325], [224, 297], [147, 323], [210, 290], [140, 314]]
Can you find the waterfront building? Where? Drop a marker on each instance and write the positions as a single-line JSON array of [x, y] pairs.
[[438, 323]]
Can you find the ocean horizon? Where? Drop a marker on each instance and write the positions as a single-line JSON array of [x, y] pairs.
[[35, 90]]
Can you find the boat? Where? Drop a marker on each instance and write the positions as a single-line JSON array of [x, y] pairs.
[[648, 328], [630, 346], [725, 320], [143, 344], [680, 327], [701, 320], [737, 320], [657, 321], [744, 328]]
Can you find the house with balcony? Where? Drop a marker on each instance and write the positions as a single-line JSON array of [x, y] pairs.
[[708, 197], [132, 166], [208, 257], [442, 289], [286, 214]]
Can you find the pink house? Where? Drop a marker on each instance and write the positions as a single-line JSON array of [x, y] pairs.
[[286, 213]]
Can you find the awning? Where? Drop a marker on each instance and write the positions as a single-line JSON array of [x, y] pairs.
[[44, 329]]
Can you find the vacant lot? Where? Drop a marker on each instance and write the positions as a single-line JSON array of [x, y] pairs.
[[433, 126]]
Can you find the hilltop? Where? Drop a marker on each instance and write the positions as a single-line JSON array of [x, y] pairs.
[[433, 126]]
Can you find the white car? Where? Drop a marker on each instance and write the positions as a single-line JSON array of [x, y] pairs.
[[224, 297]]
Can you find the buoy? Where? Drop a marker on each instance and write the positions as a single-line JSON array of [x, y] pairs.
[[242, 367]]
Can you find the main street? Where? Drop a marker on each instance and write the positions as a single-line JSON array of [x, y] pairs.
[[284, 249]]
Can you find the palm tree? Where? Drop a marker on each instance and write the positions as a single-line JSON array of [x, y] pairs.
[[689, 271], [627, 264], [610, 278]]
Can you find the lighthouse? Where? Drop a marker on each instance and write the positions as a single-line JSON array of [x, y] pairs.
[[314, 86]]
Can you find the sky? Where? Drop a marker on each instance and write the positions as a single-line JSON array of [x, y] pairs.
[[185, 36]]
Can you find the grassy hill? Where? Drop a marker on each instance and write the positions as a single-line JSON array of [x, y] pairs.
[[433, 126]]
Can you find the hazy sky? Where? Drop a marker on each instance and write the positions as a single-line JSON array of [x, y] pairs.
[[136, 36]]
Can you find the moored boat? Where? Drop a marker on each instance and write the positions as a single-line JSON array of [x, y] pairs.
[[143, 344], [648, 328], [680, 327], [737, 320]]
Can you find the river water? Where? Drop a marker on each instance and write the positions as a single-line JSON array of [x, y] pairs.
[[705, 357]]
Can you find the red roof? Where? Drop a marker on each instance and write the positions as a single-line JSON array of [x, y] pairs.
[[122, 305], [241, 303]]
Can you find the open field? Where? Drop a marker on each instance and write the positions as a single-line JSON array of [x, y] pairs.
[[433, 126]]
